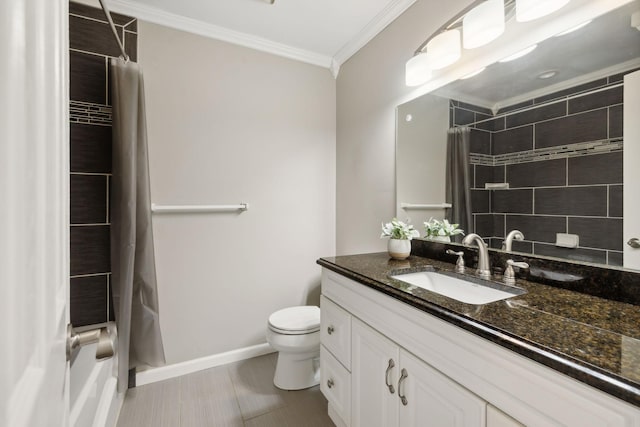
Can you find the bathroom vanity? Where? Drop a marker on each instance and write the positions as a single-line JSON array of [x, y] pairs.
[[394, 354]]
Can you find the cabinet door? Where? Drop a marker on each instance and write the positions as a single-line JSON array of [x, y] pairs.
[[373, 403], [433, 399]]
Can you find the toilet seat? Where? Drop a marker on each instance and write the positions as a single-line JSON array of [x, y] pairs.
[[299, 320]]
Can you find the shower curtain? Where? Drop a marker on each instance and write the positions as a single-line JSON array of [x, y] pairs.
[[458, 182], [133, 277]]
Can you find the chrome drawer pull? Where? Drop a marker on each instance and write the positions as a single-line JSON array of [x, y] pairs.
[[329, 383], [386, 376], [403, 376], [634, 243], [330, 330]]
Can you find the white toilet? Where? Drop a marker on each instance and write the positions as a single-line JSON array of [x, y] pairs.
[[295, 333]]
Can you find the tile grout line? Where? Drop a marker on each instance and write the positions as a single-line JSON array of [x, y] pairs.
[[235, 393]]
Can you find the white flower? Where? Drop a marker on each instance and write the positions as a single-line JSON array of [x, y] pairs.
[[433, 227], [399, 230]]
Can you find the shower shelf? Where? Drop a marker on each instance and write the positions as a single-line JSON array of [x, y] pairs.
[[496, 186], [198, 208]]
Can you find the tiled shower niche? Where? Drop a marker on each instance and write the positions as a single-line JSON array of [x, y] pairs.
[[562, 156], [91, 43]]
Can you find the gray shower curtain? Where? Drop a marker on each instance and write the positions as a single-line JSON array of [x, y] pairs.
[[458, 182], [133, 277]]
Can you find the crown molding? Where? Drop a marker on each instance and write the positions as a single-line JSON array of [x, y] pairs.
[[393, 10], [161, 17]]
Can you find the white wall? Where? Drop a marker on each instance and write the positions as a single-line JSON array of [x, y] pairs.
[[370, 86], [226, 125]]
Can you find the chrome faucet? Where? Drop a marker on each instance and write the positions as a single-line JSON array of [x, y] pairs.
[[513, 234], [483, 254]]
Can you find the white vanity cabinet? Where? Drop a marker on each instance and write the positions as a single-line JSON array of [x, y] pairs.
[[453, 378], [391, 387]]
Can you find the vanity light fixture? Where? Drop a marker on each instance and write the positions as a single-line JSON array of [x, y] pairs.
[[444, 49], [475, 73], [528, 10], [483, 24], [417, 70], [520, 54], [576, 28]]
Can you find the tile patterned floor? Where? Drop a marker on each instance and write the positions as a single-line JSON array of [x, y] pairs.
[[240, 394]]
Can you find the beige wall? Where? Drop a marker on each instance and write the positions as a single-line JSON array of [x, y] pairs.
[[421, 150], [370, 86], [226, 125]]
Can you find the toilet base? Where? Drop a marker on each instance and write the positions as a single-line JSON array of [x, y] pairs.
[[297, 371]]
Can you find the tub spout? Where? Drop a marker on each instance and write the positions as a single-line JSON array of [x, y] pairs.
[[105, 338]]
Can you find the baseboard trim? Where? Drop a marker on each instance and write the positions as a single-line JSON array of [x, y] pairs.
[[178, 369]]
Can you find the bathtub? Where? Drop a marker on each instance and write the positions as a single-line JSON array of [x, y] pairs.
[[93, 397]]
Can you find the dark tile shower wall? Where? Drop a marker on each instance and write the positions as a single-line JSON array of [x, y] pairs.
[[91, 43], [562, 157]]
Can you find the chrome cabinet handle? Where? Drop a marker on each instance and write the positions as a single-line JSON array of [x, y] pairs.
[[403, 376], [386, 376], [330, 383], [330, 330], [634, 243]]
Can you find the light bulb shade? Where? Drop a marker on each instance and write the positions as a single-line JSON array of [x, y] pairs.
[[444, 49], [528, 10], [483, 24], [417, 70]]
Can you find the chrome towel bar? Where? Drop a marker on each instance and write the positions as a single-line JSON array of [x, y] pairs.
[[198, 208]]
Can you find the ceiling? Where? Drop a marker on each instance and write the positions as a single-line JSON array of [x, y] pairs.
[[320, 32]]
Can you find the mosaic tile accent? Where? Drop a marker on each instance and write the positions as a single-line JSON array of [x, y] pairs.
[[550, 153], [89, 113]]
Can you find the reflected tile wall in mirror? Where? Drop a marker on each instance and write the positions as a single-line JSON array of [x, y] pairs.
[[562, 157]]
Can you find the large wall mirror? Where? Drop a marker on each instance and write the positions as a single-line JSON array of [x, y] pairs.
[[547, 149]]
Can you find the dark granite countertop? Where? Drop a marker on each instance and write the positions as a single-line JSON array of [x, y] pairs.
[[591, 339]]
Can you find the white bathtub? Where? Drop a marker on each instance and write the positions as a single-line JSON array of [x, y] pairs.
[[94, 401]]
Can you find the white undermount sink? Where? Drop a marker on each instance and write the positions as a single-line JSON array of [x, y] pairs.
[[471, 291]]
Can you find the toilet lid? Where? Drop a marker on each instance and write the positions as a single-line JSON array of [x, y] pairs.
[[300, 320]]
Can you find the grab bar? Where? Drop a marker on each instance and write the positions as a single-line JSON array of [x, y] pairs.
[[198, 208], [425, 206]]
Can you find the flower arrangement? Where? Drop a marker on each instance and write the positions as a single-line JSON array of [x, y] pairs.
[[435, 228], [399, 230]]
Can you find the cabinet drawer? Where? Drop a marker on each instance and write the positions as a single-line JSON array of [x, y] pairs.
[[335, 331], [335, 384]]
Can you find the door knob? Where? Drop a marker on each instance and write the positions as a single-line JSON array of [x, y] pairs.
[[634, 243], [104, 336]]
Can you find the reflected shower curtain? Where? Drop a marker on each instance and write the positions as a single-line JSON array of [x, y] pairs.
[[133, 278], [458, 182]]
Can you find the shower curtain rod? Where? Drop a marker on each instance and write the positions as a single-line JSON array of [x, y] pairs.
[[105, 9]]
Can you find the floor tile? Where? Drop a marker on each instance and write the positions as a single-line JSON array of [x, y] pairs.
[[306, 408], [152, 405], [253, 384], [207, 399]]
